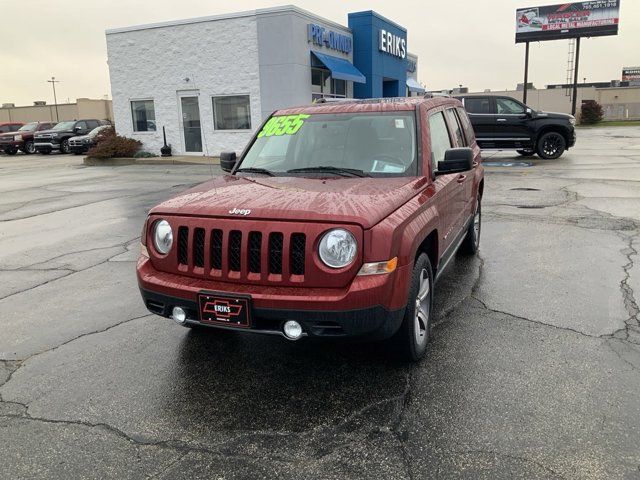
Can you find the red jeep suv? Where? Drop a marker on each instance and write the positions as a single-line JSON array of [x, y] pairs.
[[336, 221]]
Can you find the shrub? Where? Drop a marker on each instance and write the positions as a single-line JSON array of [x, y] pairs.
[[591, 112], [111, 145]]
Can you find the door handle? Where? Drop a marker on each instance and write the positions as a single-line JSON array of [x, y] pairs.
[[501, 120], [461, 178]]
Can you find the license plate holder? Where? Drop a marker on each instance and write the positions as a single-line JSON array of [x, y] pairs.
[[225, 309]]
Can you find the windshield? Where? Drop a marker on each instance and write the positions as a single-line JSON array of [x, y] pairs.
[[97, 130], [29, 127], [64, 126], [378, 144]]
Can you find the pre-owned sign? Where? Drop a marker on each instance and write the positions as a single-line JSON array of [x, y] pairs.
[[577, 19]]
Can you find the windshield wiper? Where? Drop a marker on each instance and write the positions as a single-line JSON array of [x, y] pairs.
[[256, 170], [337, 170]]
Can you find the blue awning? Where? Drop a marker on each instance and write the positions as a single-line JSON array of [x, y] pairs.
[[341, 69], [414, 86]]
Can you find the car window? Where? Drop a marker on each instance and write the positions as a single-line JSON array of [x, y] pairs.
[[456, 128], [478, 105], [82, 126], [4, 128], [466, 125], [92, 124], [29, 127], [440, 140], [507, 106], [14, 128]]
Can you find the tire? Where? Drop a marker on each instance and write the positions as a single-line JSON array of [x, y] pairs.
[[64, 146], [526, 153], [410, 341], [10, 151], [551, 145], [471, 241], [29, 148]]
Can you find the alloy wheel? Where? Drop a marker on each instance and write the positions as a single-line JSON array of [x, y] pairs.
[[422, 309], [551, 145]]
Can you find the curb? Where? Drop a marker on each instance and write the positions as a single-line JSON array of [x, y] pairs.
[[116, 162]]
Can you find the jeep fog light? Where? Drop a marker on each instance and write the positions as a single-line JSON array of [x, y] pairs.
[[378, 268], [338, 248], [179, 315], [292, 330], [162, 237]]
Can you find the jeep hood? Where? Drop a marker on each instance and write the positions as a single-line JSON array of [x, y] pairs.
[[364, 201], [556, 115]]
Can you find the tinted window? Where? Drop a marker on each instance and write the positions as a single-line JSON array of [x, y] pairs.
[[82, 126], [14, 128], [466, 125], [4, 128], [456, 128], [232, 112], [507, 106], [29, 127], [143, 115], [440, 141], [478, 105]]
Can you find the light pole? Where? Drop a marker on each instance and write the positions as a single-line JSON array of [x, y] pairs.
[[53, 82]]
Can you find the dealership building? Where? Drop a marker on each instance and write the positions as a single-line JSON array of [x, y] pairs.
[[211, 81]]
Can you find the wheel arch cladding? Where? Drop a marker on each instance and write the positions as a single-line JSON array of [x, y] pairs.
[[564, 131]]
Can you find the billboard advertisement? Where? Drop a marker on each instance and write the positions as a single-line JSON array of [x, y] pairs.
[[576, 19], [631, 74]]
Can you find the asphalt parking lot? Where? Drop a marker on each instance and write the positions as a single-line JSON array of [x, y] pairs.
[[534, 371]]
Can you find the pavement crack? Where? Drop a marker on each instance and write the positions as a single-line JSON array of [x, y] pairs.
[[509, 456]]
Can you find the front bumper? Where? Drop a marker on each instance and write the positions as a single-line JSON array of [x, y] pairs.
[[46, 146], [11, 144], [369, 308], [79, 148]]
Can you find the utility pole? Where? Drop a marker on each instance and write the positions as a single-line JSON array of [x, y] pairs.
[[53, 82], [526, 74], [575, 79]]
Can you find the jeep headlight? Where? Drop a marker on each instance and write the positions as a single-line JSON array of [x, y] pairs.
[[162, 237], [338, 248], [17, 138], [54, 135], [572, 120]]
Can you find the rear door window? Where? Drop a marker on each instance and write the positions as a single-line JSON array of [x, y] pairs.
[[479, 105], [466, 125], [456, 128], [440, 139]]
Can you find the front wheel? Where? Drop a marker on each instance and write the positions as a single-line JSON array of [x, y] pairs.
[[29, 148], [551, 145], [10, 151], [64, 146], [410, 341]]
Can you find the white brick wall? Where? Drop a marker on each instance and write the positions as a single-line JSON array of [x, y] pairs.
[[220, 57]]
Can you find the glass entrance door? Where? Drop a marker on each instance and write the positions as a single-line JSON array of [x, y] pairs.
[[191, 124]]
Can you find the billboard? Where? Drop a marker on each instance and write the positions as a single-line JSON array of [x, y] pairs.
[[576, 19], [631, 74]]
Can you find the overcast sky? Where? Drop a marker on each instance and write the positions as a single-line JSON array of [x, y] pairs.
[[457, 41]]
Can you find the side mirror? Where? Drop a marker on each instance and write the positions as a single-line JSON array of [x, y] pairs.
[[529, 112], [456, 160], [228, 160]]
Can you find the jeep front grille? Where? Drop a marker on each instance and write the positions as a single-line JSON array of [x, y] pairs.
[[241, 254]]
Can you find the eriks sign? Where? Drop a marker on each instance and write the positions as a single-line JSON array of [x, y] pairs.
[[392, 44]]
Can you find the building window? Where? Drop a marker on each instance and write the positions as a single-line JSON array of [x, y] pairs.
[[144, 116], [232, 112], [322, 85]]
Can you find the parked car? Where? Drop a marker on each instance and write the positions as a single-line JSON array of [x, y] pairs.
[[6, 127], [81, 144], [505, 123], [22, 139], [335, 223], [58, 137]]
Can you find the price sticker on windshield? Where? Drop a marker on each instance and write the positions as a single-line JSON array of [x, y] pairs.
[[283, 125]]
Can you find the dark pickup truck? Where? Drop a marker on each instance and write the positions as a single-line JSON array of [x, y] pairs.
[[22, 139], [504, 123], [58, 137]]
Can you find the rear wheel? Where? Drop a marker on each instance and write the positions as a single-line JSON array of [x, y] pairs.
[[526, 153], [410, 341], [551, 145], [471, 241]]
